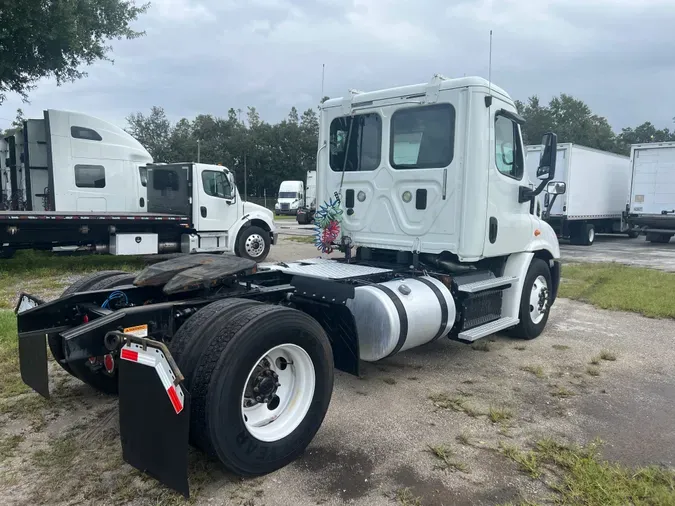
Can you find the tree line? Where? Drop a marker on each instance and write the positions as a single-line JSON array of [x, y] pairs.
[[271, 153], [266, 153]]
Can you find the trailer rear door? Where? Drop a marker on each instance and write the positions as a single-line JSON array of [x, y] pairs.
[[653, 188]]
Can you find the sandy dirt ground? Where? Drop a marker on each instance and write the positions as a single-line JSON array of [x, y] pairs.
[[374, 440]]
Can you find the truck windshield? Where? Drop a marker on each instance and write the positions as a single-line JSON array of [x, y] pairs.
[[288, 195]]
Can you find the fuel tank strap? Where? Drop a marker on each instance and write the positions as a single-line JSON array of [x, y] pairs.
[[441, 302], [402, 316]]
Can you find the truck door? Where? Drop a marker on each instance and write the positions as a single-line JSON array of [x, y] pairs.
[[509, 226], [216, 209]]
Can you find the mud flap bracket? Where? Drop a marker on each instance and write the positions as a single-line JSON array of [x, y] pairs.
[[154, 414]]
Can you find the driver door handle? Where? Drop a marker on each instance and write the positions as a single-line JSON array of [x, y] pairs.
[[203, 211]]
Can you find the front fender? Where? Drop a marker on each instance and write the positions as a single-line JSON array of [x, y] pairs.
[[247, 220], [546, 240]]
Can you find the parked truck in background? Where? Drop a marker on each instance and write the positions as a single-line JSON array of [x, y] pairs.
[[290, 198], [426, 195], [652, 195], [74, 181], [597, 187], [305, 214], [72, 162]]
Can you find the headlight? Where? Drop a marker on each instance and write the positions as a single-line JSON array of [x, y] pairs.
[[276, 206]]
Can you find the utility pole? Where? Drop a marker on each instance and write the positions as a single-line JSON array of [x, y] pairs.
[[199, 150], [245, 180]]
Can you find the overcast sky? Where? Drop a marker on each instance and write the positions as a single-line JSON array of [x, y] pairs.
[[205, 56]]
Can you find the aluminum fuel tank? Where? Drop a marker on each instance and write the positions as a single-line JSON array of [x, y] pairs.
[[401, 314]]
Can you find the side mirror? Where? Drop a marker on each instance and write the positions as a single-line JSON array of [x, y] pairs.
[[546, 170], [556, 188]]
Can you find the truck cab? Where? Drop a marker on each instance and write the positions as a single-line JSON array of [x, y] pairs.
[[291, 197], [433, 169], [208, 195], [69, 161]]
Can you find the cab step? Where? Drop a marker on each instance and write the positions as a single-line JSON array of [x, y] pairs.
[[476, 333], [487, 284]]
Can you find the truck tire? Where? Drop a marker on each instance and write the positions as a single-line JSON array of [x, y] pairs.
[[99, 379], [81, 285], [261, 349], [7, 253], [585, 234], [253, 243], [658, 238], [535, 303], [633, 233], [188, 344]]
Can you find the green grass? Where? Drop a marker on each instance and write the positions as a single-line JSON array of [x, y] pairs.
[[619, 287], [537, 370], [456, 403], [405, 497], [8, 446], [499, 415], [595, 360], [39, 271], [445, 455], [607, 355], [593, 371], [527, 461], [562, 393], [587, 480], [302, 238], [560, 347], [11, 383]]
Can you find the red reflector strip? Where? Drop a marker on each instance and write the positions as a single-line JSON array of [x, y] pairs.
[[177, 406], [128, 354]]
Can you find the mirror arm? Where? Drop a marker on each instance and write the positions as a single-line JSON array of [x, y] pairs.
[[547, 212], [525, 193]]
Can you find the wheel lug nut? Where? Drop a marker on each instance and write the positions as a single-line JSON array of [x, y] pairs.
[[258, 398], [256, 389], [278, 384]]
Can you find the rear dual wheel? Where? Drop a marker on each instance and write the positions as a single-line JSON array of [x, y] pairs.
[[261, 379], [98, 372]]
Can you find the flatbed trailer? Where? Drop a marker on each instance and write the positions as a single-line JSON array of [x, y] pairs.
[[181, 217]]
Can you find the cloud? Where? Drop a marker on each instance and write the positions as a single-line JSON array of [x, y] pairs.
[[209, 55]]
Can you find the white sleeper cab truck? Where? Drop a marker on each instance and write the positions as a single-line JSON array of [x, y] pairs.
[[652, 195], [291, 197], [73, 162], [305, 214], [191, 207], [423, 188], [596, 183]]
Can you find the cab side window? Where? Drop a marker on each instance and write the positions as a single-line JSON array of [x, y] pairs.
[[216, 184], [508, 148]]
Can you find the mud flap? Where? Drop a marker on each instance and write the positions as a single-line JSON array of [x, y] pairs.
[[33, 362], [154, 416]]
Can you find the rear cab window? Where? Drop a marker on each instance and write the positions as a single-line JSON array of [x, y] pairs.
[[422, 137], [356, 143]]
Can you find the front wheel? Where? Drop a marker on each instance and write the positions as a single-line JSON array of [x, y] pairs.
[[535, 301], [262, 388], [254, 244]]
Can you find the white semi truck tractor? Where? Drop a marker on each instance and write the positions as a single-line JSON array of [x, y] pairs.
[[423, 189]]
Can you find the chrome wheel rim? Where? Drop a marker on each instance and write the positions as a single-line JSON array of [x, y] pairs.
[[538, 299], [255, 245]]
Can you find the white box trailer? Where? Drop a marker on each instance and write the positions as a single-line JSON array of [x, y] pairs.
[[305, 214], [652, 195], [598, 184]]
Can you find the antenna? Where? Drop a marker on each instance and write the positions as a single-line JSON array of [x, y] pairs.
[[323, 76], [488, 99]]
